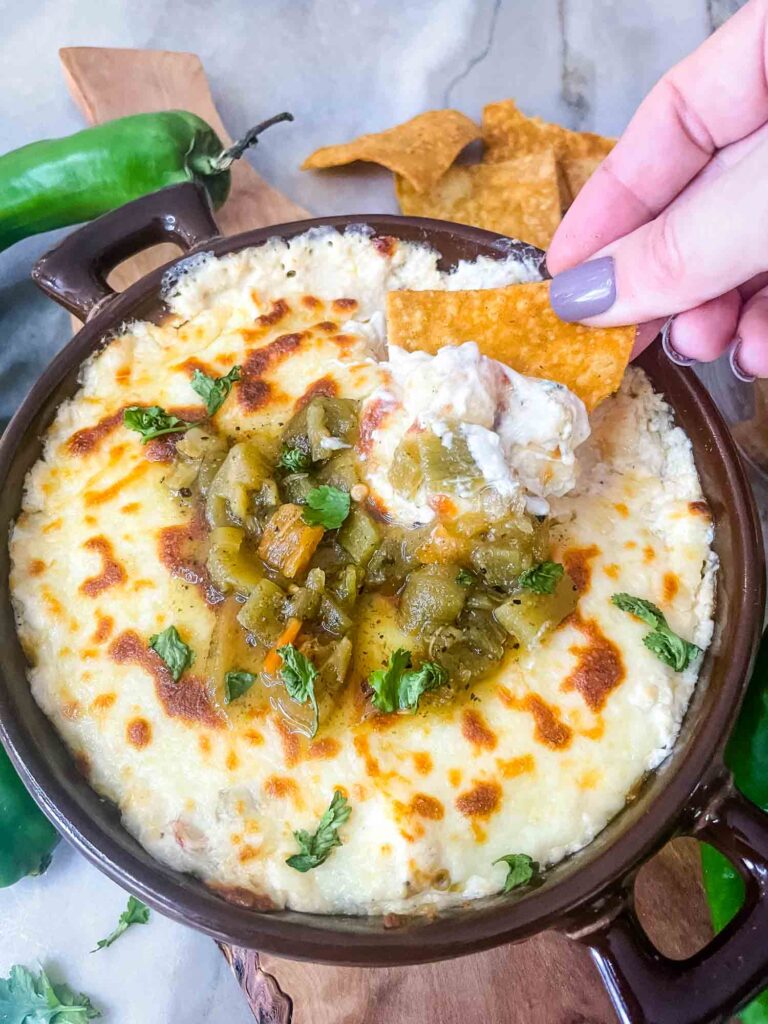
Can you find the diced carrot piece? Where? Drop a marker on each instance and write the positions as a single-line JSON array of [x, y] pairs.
[[288, 543], [273, 661]]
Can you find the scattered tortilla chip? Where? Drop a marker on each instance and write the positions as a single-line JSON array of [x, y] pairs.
[[517, 326], [421, 150], [577, 170], [519, 197], [508, 133]]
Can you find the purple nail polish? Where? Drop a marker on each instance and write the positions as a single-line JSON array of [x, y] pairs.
[[733, 359], [671, 353], [584, 291]]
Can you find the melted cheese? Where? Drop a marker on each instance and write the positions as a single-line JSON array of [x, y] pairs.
[[103, 556]]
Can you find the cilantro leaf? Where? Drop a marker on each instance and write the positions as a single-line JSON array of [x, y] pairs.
[[662, 641], [135, 913], [314, 849], [671, 648], [153, 421], [398, 688], [172, 649], [296, 460], [465, 578], [542, 578], [236, 684], [299, 676], [27, 998], [214, 390], [326, 506], [641, 609], [521, 869]]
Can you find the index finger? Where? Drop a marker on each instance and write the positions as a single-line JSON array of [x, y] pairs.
[[714, 97]]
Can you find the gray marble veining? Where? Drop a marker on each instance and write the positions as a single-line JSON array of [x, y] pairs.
[[343, 67]]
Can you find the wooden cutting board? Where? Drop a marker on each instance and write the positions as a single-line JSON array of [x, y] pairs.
[[546, 980]]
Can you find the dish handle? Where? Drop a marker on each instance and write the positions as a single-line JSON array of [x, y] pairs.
[[649, 988], [74, 274]]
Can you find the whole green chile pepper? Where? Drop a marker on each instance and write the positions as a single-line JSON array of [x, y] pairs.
[[58, 182], [747, 757], [27, 838]]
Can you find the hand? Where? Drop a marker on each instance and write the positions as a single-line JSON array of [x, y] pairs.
[[675, 220]]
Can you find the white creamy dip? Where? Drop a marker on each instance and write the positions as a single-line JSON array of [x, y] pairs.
[[521, 432]]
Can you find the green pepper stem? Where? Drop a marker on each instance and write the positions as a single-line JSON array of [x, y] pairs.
[[228, 156]]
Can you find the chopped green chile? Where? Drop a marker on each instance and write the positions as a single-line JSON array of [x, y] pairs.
[[395, 557], [340, 471], [320, 425], [359, 536], [499, 563], [406, 474], [296, 486], [260, 615], [230, 566], [528, 616], [447, 463], [333, 618], [304, 602], [242, 472], [432, 597]]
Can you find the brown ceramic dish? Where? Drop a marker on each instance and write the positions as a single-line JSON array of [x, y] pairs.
[[590, 894]]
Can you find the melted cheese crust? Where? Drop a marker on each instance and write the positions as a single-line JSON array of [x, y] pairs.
[[103, 556]]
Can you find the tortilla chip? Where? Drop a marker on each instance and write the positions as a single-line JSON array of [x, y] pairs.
[[519, 197], [507, 133], [421, 150], [517, 326], [577, 170]]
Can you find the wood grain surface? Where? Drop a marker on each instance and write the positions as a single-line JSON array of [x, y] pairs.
[[546, 980]]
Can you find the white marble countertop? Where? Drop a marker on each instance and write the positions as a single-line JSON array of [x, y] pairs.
[[342, 67]]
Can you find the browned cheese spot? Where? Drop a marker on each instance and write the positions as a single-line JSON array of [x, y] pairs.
[[425, 806], [247, 853], [100, 497], [385, 245], [87, 439], [311, 302], [280, 309], [577, 562], [549, 728], [71, 710], [279, 787], [324, 749], [187, 699], [454, 777], [327, 326], [254, 392], [371, 764], [36, 567], [422, 762], [372, 419], [648, 553], [289, 741], [599, 668], [481, 801], [103, 702], [139, 732], [344, 305], [515, 766], [612, 571], [476, 730], [700, 508], [622, 509], [253, 737], [325, 387], [671, 585], [112, 572], [176, 548]]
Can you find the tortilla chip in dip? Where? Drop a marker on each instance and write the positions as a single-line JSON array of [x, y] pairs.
[[519, 197], [508, 133], [421, 150], [517, 326]]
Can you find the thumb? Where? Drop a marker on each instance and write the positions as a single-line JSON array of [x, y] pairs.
[[711, 238]]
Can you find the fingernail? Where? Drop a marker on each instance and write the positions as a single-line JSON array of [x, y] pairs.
[[584, 291], [666, 343], [733, 359]]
